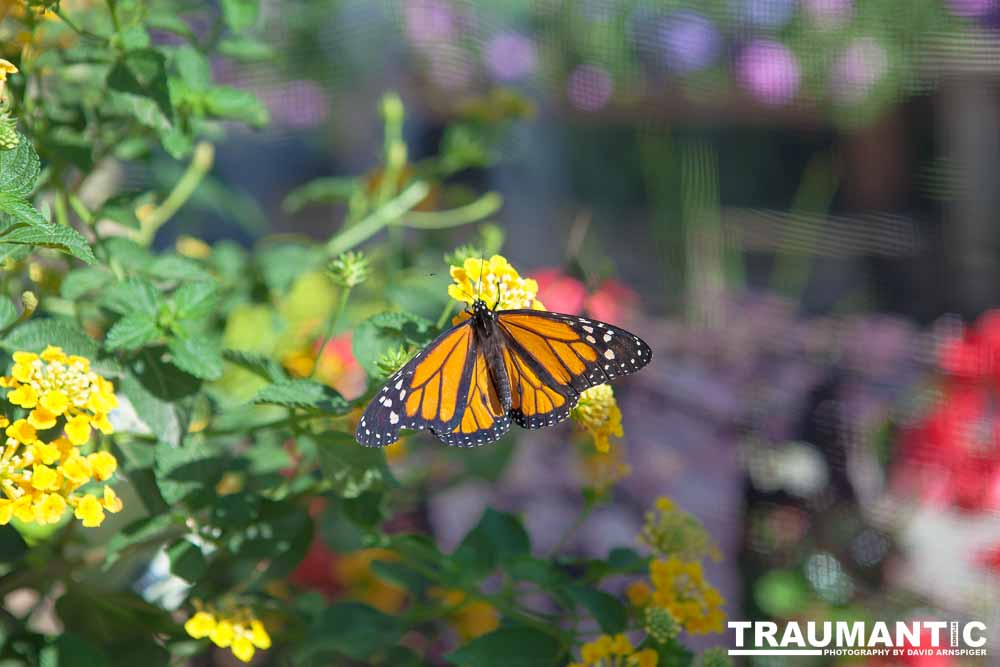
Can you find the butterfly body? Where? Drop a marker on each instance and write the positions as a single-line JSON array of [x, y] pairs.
[[525, 366]]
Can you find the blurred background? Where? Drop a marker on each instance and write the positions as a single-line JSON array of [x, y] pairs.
[[793, 201]]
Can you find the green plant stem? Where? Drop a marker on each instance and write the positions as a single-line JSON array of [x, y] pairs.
[[201, 163], [445, 314], [331, 324], [571, 530], [388, 213], [59, 208], [81, 210], [484, 206], [75, 28]]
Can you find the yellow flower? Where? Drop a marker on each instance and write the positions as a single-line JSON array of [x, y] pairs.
[[103, 465], [353, 571], [200, 625], [614, 651], [76, 469], [78, 429], [243, 648], [192, 247], [470, 618], [494, 281], [239, 631], [222, 633], [45, 478], [89, 511], [59, 385], [6, 67], [22, 431], [23, 396], [259, 635], [111, 502], [49, 508], [638, 593], [598, 413], [680, 587], [670, 531]]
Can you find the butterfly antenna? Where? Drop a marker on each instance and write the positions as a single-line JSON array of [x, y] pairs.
[[479, 285]]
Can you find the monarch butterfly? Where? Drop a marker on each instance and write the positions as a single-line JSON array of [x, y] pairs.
[[524, 365]]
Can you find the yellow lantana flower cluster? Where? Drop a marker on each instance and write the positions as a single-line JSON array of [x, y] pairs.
[[54, 385], [616, 651], [40, 480], [679, 586], [598, 413], [670, 531], [241, 632], [494, 281], [676, 579]]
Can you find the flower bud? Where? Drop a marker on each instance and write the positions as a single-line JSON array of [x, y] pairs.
[[349, 269]]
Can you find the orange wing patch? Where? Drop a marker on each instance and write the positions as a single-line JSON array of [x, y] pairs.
[[533, 403], [437, 378], [484, 419]]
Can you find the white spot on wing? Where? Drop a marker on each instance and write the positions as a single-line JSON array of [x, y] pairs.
[[393, 418], [609, 354]]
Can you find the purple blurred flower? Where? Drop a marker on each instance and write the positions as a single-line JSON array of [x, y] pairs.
[[589, 87], [510, 56], [971, 8], [770, 71], [689, 41], [429, 21], [858, 68], [828, 14], [767, 13]]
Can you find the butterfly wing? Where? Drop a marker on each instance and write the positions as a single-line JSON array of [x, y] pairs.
[[551, 358], [484, 419], [430, 391]]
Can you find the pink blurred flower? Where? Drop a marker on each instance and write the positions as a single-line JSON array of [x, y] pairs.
[[770, 71], [559, 292], [589, 87], [510, 56], [862, 64], [611, 302]]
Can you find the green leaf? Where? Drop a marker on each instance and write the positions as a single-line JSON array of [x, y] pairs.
[[388, 331], [240, 14], [399, 574], [36, 335], [19, 169], [187, 560], [8, 312], [80, 282], [236, 104], [151, 530], [350, 468], [606, 609], [193, 67], [196, 300], [31, 228], [12, 545], [70, 650], [258, 364], [143, 73], [510, 647], [131, 332], [162, 395], [107, 617], [497, 538], [135, 295], [246, 50], [320, 191], [184, 471], [197, 356], [352, 629], [303, 394]]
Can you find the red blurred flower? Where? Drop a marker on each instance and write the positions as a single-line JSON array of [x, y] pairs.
[[952, 456], [316, 571], [559, 292], [611, 301]]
